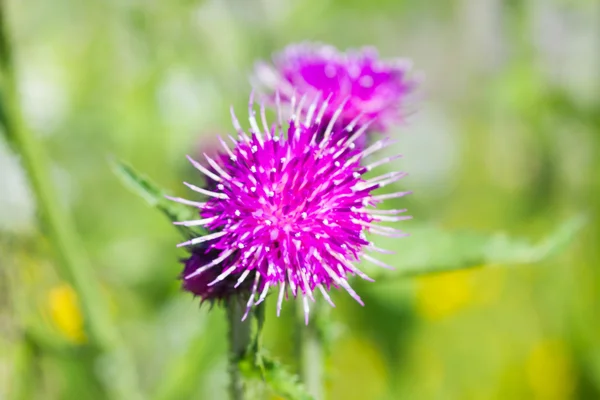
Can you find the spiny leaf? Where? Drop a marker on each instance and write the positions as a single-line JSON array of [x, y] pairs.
[[276, 376], [258, 366], [155, 196], [431, 249]]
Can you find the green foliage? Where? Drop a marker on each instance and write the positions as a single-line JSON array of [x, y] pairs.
[[261, 366], [258, 366], [432, 249], [155, 196]]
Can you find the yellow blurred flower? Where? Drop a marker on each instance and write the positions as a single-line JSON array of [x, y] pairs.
[[444, 294], [550, 371], [65, 313]]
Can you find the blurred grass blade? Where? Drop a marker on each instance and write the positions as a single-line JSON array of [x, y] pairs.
[[6, 77], [313, 347], [4, 128], [155, 196], [187, 371], [25, 375], [432, 249], [72, 262]]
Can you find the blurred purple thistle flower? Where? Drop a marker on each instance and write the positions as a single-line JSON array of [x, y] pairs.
[[291, 211], [370, 89]]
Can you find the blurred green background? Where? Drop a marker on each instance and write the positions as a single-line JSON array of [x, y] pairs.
[[506, 138]]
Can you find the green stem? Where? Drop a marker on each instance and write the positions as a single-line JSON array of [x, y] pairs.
[[25, 376], [310, 351], [239, 338], [72, 263]]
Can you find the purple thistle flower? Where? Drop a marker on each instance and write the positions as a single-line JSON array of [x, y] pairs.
[[199, 285], [367, 88], [210, 150], [291, 211]]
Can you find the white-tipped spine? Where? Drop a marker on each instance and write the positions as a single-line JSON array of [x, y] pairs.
[[202, 239], [206, 192], [202, 169]]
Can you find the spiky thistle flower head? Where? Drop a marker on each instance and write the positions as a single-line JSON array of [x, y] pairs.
[[291, 210], [200, 284], [367, 87]]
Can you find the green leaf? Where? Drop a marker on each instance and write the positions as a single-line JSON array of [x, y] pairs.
[[276, 376], [155, 196], [258, 367], [431, 249]]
